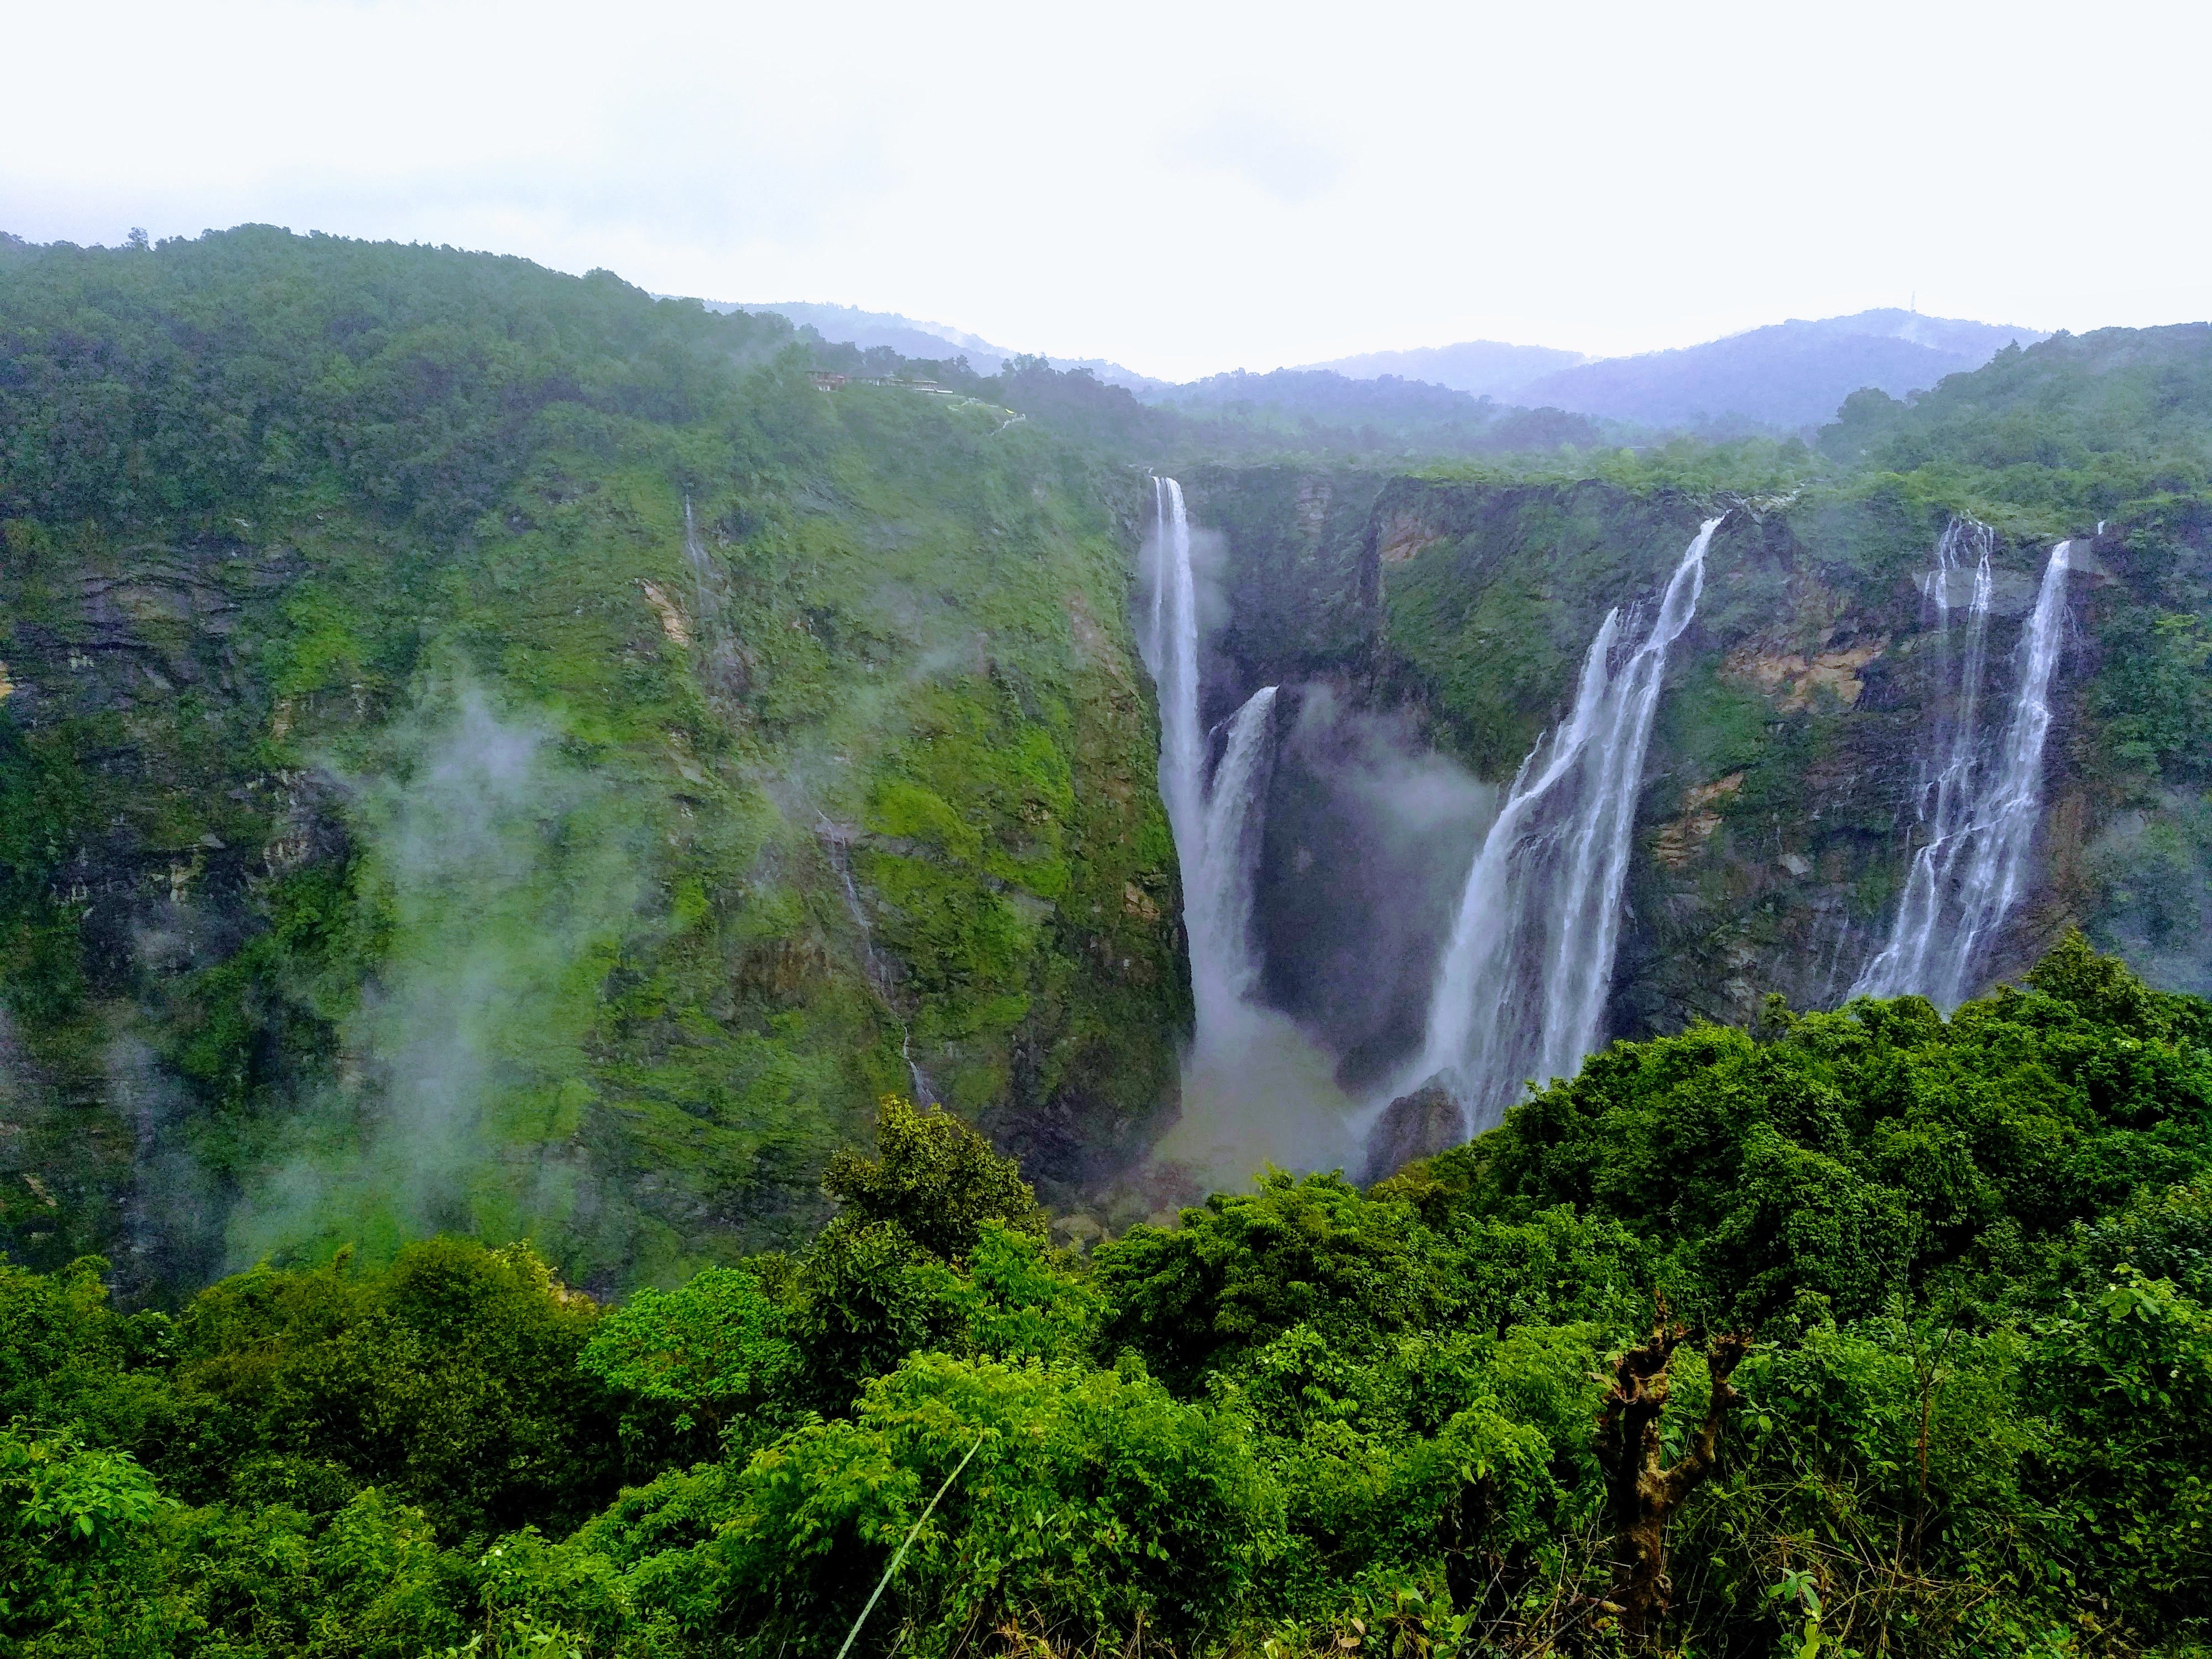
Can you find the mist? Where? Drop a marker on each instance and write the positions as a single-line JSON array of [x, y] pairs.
[[506, 885], [1366, 842], [1369, 834]]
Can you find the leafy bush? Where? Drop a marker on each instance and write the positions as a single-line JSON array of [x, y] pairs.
[[1308, 1420]]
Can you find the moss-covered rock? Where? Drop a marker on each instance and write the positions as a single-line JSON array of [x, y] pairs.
[[1775, 825], [583, 865]]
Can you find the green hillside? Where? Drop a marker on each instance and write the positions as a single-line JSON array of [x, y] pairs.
[[410, 824], [508, 787]]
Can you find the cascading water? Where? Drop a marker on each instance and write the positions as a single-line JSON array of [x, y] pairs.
[[1215, 825], [1255, 1089], [1980, 821], [1946, 800], [1171, 648], [1217, 906], [1523, 980]]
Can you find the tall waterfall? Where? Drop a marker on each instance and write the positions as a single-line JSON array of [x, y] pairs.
[[1523, 980], [1979, 819], [1215, 823], [1217, 904], [1170, 649], [1946, 803]]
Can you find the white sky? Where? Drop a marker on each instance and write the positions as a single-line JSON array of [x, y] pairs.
[[1182, 188]]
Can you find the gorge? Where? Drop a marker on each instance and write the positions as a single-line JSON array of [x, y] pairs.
[[1140, 805], [1826, 709]]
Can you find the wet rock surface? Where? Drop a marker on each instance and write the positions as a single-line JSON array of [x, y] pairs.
[[1777, 815], [1414, 1127]]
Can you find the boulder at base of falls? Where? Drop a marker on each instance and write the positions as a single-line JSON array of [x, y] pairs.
[[1413, 1126]]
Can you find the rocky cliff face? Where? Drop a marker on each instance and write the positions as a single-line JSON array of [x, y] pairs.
[[587, 877], [1774, 828]]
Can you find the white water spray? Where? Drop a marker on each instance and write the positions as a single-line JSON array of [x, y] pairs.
[[1215, 824], [1216, 903], [1913, 958], [1255, 1089], [1523, 984], [1980, 820]]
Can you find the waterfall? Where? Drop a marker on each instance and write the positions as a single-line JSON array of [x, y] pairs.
[[836, 840], [1980, 821], [1216, 905], [1170, 649], [1215, 824], [1946, 800], [1523, 984]]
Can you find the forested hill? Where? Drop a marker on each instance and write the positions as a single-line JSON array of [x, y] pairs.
[[489, 750], [507, 785], [1861, 1332], [2085, 422], [481, 749]]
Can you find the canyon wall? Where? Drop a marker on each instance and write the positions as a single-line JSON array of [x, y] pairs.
[[1774, 830]]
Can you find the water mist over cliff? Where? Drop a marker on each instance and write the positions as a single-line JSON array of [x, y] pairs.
[[1725, 725], [1254, 1090]]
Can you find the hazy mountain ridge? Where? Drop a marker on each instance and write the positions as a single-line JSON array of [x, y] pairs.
[[1485, 368], [911, 338], [1320, 405], [1790, 374]]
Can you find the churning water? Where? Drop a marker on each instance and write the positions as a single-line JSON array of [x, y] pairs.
[[1254, 1087]]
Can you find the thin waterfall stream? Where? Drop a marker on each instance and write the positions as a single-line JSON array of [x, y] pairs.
[[1521, 986], [1979, 819]]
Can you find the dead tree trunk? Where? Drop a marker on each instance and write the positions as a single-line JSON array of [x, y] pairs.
[[1641, 1495]]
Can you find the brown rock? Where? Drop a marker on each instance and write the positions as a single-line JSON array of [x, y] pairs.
[[1413, 1126], [1401, 535], [1676, 842]]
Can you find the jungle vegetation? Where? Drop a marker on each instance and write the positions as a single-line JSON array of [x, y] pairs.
[[1864, 1332], [470, 741]]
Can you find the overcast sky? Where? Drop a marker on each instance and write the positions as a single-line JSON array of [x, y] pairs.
[[1182, 188]]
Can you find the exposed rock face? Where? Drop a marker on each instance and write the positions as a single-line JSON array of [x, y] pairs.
[[1415, 1125], [1290, 560], [1400, 536], [1676, 842], [1777, 813], [1794, 681]]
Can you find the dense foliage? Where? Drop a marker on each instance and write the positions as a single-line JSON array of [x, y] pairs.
[[488, 750], [1971, 1261], [1316, 409], [486, 755], [2084, 424]]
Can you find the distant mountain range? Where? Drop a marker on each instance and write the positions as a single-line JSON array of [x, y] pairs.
[[1788, 374], [1488, 369], [911, 338]]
